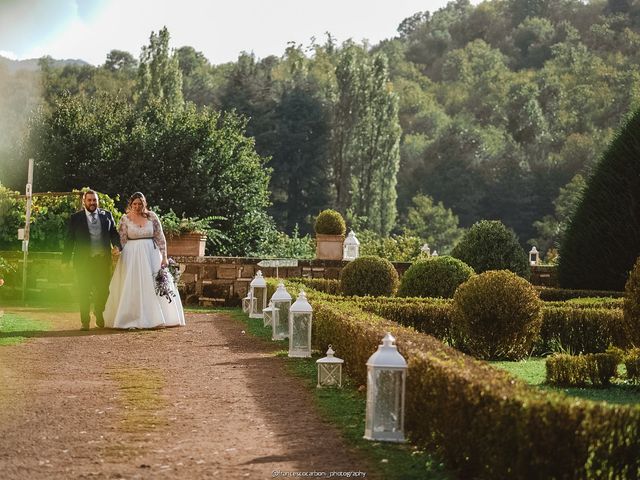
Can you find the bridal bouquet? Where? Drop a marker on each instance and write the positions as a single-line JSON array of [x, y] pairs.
[[164, 287], [174, 270]]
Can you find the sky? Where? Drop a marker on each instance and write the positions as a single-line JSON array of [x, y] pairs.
[[220, 29]]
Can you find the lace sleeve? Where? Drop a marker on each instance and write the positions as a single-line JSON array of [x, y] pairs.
[[158, 234], [123, 231]]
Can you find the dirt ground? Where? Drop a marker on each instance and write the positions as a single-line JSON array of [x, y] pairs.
[[201, 401]]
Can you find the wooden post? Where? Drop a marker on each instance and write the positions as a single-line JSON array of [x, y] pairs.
[[27, 223]]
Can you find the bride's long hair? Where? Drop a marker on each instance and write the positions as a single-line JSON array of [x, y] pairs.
[[136, 195]]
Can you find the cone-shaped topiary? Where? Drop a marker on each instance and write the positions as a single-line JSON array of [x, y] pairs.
[[631, 306], [434, 277], [369, 275], [489, 245], [496, 315], [602, 240]]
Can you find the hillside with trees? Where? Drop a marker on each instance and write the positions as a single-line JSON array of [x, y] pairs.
[[492, 111]]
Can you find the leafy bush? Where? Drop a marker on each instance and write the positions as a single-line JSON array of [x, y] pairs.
[[174, 226], [330, 222], [489, 245], [579, 370], [631, 305], [395, 248], [49, 218], [434, 277], [281, 245], [369, 275], [496, 315]]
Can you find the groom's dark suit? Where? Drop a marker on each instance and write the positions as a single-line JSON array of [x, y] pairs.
[[91, 259]]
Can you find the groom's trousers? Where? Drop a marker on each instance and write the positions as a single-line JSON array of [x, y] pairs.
[[93, 276]]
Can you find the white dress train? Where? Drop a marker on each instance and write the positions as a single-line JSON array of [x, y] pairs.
[[133, 302]]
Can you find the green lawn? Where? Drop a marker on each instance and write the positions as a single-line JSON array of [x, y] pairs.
[[11, 325], [532, 371]]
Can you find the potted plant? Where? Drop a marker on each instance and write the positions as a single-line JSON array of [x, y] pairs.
[[187, 236], [330, 229]]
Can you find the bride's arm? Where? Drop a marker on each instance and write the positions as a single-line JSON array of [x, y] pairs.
[[158, 236], [123, 231]]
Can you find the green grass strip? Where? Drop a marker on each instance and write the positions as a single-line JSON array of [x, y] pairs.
[[533, 371], [345, 408], [15, 329]]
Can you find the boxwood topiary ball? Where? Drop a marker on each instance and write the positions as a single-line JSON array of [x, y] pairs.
[[434, 277], [330, 222], [369, 275], [496, 315]]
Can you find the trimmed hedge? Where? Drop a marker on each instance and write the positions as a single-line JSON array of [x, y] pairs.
[[485, 423], [581, 330], [596, 369], [325, 285], [632, 304], [562, 294]]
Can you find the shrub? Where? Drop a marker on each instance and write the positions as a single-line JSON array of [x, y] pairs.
[[580, 370], [631, 361], [631, 306], [330, 222], [489, 245], [434, 277], [369, 275], [496, 315]]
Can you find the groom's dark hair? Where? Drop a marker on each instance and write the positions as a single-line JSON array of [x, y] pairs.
[[87, 191]]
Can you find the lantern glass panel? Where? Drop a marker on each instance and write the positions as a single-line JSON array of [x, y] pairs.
[[385, 401], [260, 294], [300, 334], [267, 315], [246, 304], [330, 374], [280, 322]]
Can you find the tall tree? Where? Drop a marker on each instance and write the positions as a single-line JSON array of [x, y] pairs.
[[159, 75], [365, 142]]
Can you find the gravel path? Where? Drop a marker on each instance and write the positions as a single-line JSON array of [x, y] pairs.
[[201, 401]]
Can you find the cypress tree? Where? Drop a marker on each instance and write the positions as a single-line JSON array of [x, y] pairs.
[[602, 240]]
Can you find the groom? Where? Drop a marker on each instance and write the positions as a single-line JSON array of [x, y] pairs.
[[92, 231]]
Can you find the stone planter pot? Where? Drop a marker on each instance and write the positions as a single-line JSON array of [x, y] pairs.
[[187, 245], [329, 247]]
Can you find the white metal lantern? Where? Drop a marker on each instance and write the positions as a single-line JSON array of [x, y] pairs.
[[268, 314], [425, 249], [246, 303], [280, 323], [258, 291], [300, 317], [351, 247], [533, 256], [329, 370], [435, 253], [386, 379]]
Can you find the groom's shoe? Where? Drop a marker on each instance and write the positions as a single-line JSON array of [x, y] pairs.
[[84, 327]]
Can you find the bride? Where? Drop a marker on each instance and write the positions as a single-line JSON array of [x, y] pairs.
[[133, 302]]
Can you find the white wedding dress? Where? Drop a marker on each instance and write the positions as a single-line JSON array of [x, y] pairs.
[[133, 302]]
